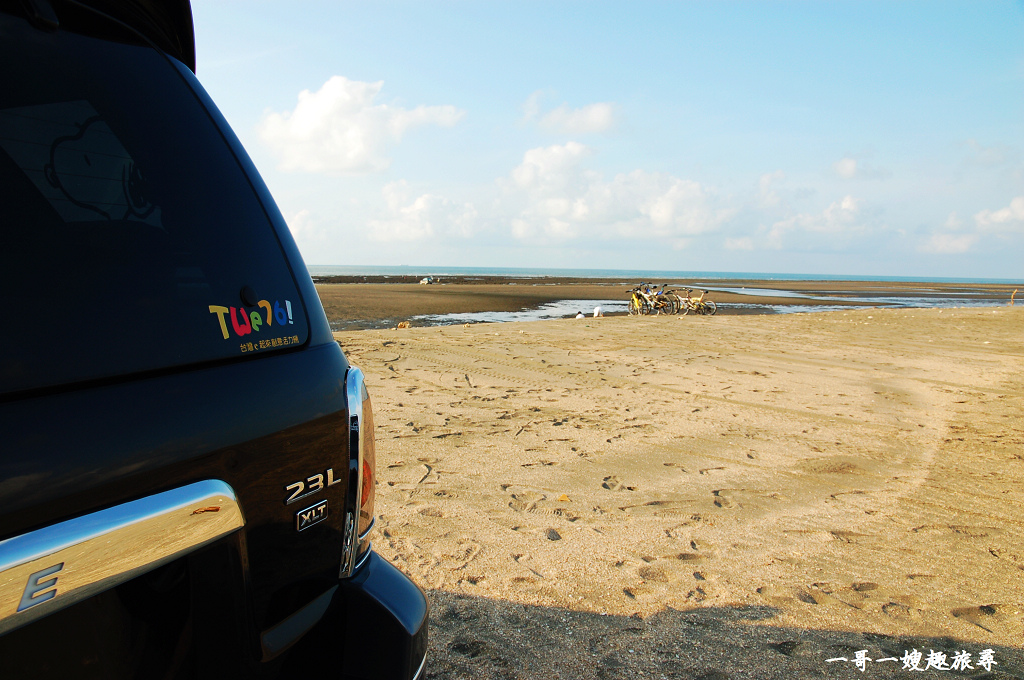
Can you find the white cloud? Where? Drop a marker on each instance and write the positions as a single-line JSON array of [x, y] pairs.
[[421, 218], [768, 196], [592, 118], [852, 168], [838, 216], [744, 243], [991, 156], [549, 167], [339, 128], [948, 244], [531, 107], [956, 237], [839, 222], [846, 168], [552, 198], [307, 229], [299, 222], [1008, 219], [599, 117]]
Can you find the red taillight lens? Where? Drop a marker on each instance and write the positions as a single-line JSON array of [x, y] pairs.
[[361, 475], [369, 467]]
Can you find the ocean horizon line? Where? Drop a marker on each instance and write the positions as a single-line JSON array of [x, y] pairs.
[[631, 274]]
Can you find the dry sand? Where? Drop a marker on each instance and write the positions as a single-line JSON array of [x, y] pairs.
[[723, 497]]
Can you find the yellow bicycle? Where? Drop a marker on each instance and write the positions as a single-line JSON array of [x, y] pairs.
[[698, 305], [645, 301], [638, 304]]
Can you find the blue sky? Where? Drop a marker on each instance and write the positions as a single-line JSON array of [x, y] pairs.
[[862, 138]]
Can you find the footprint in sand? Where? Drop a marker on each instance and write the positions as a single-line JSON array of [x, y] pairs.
[[816, 597], [525, 501], [899, 610], [698, 594], [458, 556], [848, 536], [775, 594], [829, 466], [723, 499], [660, 508], [613, 483], [652, 573], [990, 617]]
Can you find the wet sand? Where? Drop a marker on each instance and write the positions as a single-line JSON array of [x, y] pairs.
[[379, 302], [711, 497]]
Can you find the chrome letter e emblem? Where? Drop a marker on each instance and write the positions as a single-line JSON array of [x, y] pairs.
[[34, 589]]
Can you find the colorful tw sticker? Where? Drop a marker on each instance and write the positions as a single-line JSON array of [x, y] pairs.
[[244, 322]]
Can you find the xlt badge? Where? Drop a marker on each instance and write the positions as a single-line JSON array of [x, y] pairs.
[[314, 514]]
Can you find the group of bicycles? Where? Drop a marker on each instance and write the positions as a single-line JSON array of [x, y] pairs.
[[646, 299]]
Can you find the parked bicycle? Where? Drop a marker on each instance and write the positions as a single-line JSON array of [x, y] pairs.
[[638, 304], [645, 300], [698, 305]]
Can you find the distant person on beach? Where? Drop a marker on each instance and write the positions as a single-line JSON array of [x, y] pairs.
[[580, 315], [598, 312]]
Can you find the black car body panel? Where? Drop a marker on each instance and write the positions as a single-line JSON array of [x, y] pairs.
[[198, 357]]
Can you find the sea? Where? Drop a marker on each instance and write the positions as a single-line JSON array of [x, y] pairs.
[[704, 279], [625, 275]]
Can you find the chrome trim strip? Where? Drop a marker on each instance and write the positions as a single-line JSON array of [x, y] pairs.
[[280, 637], [355, 392], [48, 569], [362, 558], [373, 520], [419, 671]]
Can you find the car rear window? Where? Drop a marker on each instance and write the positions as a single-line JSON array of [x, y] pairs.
[[131, 237]]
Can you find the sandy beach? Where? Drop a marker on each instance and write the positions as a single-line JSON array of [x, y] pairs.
[[713, 497]]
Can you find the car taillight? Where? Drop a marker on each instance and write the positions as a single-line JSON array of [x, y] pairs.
[[367, 487], [362, 461]]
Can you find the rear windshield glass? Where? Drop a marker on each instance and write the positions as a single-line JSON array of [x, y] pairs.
[[130, 238]]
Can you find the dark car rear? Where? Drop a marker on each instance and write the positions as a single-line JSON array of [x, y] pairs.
[[186, 474]]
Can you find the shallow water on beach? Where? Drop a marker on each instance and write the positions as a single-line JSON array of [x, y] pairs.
[[568, 308], [925, 297], [867, 303], [565, 309], [552, 310]]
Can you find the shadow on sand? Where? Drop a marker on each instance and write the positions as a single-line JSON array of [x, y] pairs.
[[480, 638]]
